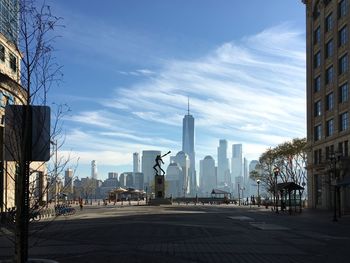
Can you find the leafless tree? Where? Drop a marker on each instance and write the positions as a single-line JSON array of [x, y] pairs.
[[39, 72]]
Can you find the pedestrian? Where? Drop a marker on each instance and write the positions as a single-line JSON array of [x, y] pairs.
[[81, 204]]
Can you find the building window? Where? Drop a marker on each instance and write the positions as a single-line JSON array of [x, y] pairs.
[[2, 53], [346, 149], [329, 48], [329, 75], [342, 8], [344, 93], [344, 121], [330, 101], [318, 132], [330, 127], [317, 156], [343, 64], [317, 84], [13, 63], [327, 153], [317, 108], [329, 150], [317, 36], [316, 12], [329, 22], [343, 36], [317, 60]]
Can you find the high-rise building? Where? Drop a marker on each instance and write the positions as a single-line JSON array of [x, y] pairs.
[[182, 159], [138, 181], [136, 162], [9, 19], [173, 180], [148, 161], [68, 181], [236, 164], [252, 185], [11, 92], [207, 175], [188, 148], [328, 103], [245, 172], [93, 169], [223, 176], [112, 175]]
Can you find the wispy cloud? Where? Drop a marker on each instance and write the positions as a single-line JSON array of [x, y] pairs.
[[250, 91]]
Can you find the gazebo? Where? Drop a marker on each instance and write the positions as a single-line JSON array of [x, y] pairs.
[[217, 193], [287, 191]]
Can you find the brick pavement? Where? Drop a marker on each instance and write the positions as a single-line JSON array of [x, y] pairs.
[[192, 234]]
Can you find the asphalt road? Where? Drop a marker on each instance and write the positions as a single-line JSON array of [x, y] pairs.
[[189, 233]]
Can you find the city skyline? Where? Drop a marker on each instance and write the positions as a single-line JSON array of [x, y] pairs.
[[128, 84]]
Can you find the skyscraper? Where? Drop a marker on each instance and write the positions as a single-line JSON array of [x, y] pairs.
[[136, 162], [223, 176], [236, 163], [93, 169], [68, 181], [9, 19], [207, 175], [183, 161], [188, 148]]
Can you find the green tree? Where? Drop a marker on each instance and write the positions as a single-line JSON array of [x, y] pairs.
[[291, 159]]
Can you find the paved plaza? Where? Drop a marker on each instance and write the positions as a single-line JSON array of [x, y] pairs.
[[189, 233]]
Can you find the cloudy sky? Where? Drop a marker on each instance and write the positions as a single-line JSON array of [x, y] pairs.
[[130, 66]]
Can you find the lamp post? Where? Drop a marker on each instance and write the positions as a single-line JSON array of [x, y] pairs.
[[276, 171], [258, 182], [239, 195], [334, 157], [242, 189]]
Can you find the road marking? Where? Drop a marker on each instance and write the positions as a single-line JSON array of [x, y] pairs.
[[264, 226], [241, 218]]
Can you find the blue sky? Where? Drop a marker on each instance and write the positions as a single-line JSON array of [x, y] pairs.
[[129, 67]]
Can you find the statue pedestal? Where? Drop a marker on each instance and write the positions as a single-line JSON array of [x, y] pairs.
[[159, 191], [159, 186]]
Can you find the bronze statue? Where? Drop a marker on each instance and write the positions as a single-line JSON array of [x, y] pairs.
[[159, 162]]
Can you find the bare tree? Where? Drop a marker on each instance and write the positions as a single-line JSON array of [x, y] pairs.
[[291, 159], [39, 72]]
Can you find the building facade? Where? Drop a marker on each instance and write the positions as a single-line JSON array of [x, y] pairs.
[[236, 165], [136, 162], [93, 169], [148, 161], [188, 148], [328, 104], [223, 177], [173, 178], [182, 159], [208, 180], [68, 182]]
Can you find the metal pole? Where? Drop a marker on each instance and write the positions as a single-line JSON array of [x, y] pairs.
[[239, 197], [276, 194], [258, 194], [22, 190], [56, 183], [335, 191]]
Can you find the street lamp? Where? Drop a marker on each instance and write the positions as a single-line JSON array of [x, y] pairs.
[[258, 182], [242, 188], [276, 171], [334, 157]]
